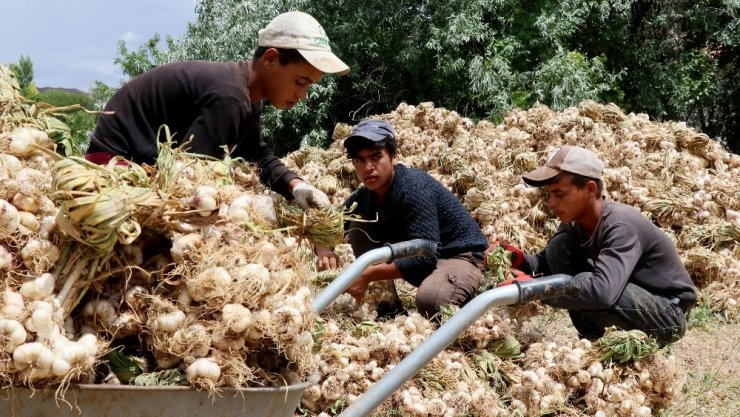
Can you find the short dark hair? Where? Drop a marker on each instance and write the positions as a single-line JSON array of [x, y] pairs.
[[285, 56], [578, 180], [389, 143]]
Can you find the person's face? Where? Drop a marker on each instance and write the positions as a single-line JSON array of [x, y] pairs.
[[374, 168], [286, 85], [568, 202]]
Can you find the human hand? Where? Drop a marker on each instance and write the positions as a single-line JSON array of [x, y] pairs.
[[326, 259], [307, 196], [358, 289], [516, 254], [520, 277]]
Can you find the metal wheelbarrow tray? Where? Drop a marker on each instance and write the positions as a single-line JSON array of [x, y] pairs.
[[94, 400], [159, 401]]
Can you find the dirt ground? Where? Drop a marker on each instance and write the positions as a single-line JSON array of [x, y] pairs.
[[712, 358], [711, 354]]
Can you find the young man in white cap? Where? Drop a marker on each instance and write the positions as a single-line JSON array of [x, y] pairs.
[[402, 204], [627, 270], [217, 105]]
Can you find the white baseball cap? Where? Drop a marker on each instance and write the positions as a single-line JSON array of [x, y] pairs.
[[300, 31], [573, 159]]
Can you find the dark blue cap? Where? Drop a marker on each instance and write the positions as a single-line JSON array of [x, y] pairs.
[[371, 129]]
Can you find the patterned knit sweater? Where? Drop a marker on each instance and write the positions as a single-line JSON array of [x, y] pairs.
[[418, 207]]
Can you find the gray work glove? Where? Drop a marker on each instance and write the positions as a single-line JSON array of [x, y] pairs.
[[307, 196]]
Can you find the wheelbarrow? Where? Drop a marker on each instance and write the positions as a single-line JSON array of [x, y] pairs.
[[92, 400]]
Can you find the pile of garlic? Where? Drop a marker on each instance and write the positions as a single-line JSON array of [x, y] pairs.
[[681, 179], [212, 284], [38, 346], [672, 173]]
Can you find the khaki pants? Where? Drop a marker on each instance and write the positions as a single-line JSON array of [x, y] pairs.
[[454, 281]]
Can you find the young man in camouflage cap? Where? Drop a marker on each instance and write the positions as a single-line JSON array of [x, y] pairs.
[[627, 270], [218, 105]]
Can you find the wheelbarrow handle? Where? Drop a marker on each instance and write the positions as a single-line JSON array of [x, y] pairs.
[[388, 253], [537, 289], [409, 248]]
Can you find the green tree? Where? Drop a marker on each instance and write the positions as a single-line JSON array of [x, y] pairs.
[[80, 122], [670, 59], [23, 71]]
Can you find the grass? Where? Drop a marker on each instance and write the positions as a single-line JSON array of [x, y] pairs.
[[703, 317], [712, 381]]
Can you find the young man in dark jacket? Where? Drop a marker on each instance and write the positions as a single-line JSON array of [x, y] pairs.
[[408, 204], [627, 270], [218, 105]]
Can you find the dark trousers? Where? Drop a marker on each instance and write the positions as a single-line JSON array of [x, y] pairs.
[[454, 281], [636, 308]]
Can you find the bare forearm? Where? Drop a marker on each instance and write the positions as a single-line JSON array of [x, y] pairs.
[[381, 272]]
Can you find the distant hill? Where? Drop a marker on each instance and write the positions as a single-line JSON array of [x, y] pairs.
[[43, 90]]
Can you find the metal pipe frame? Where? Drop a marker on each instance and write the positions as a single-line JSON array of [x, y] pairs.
[[537, 289], [388, 253]]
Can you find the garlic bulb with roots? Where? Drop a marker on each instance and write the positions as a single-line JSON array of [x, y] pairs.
[[12, 335], [268, 252], [101, 312], [39, 255], [6, 259], [253, 208], [239, 209], [194, 340], [25, 139], [168, 322], [184, 243], [38, 288], [236, 317], [214, 281], [28, 223], [203, 371], [33, 355], [8, 219], [12, 305], [204, 200], [11, 163]]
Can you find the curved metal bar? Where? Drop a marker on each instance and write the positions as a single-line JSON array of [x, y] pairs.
[[389, 252], [537, 289]]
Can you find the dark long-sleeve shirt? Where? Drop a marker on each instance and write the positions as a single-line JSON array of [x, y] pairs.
[[625, 247], [208, 101], [418, 207]]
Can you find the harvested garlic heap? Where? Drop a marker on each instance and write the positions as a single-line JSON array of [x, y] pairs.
[[356, 355], [36, 346], [683, 180], [195, 263]]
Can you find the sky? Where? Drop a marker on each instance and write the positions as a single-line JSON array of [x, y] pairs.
[[73, 43]]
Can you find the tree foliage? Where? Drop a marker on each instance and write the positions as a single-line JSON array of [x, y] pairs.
[[24, 74], [672, 59], [23, 71], [80, 122]]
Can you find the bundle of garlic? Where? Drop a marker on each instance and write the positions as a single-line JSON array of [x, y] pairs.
[[34, 125], [228, 314], [357, 355], [188, 253], [37, 347]]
